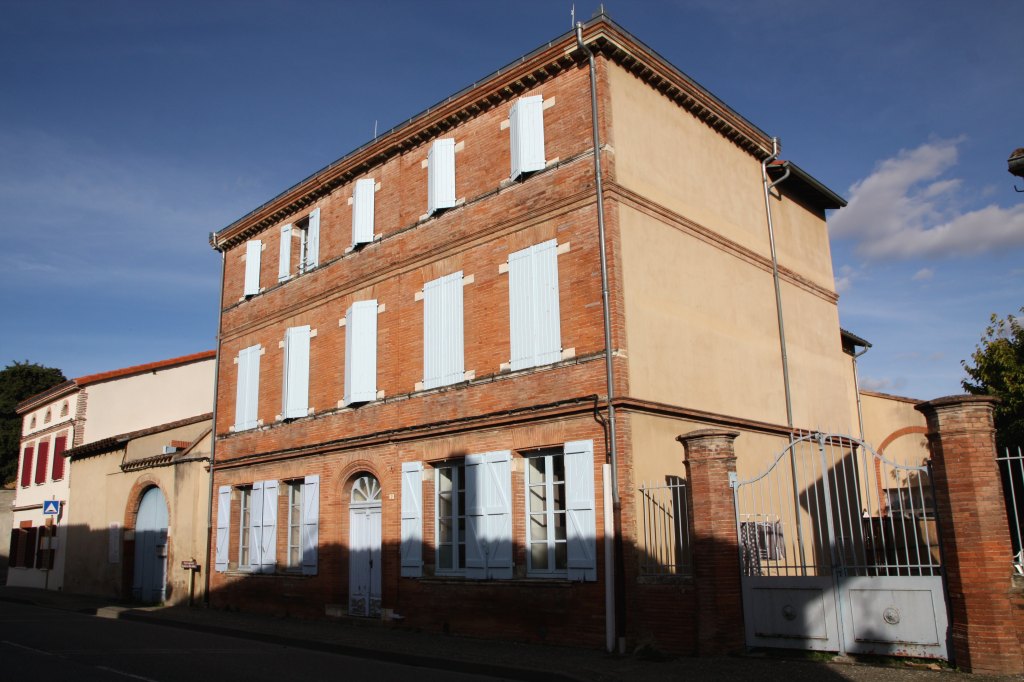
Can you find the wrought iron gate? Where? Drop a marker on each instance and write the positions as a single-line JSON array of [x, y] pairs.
[[839, 551]]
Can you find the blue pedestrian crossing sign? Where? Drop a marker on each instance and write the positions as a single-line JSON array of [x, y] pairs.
[[51, 507]]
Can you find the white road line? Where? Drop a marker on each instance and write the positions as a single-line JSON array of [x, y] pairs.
[[121, 672], [27, 648]]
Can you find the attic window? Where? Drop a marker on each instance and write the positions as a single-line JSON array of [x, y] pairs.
[[32, 424], [48, 417], [64, 409]]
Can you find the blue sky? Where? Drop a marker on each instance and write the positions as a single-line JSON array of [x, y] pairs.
[[131, 130]]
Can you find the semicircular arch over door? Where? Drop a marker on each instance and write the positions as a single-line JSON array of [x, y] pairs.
[[150, 576]]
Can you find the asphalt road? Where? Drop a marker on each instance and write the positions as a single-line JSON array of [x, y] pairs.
[[41, 643]]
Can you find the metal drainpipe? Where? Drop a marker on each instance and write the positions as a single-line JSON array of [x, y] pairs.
[[213, 433], [609, 557], [775, 272], [856, 389]]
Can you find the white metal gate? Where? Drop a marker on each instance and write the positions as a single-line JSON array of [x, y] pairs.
[[839, 551]]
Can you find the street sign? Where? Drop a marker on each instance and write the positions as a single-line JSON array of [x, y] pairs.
[[51, 507], [190, 565]]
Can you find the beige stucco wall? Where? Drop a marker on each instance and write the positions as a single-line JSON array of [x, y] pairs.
[[137, 402], [885, 417], [112, 493]]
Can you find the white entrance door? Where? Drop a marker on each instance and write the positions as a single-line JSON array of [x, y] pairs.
[[364, 548], [150, 577]]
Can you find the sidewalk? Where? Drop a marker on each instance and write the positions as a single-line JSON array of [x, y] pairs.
[[383, 641]]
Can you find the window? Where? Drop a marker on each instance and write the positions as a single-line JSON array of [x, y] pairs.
[[42, 459], [294, 560], [23, 547], [362, 211], [59, 445], [441, 175], [488, 515], [64, 409], [450, 482], [32, 424], [526, 135], [545, 492], [26, 466], [253, 252], [443, 357], [307, 251], [361, 352], [248, 388], [535, 331], [48, 417], [296, 372], [245, 527], [223, 527]]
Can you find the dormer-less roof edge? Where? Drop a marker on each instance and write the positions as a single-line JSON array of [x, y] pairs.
[[148, 367], [52, 393]]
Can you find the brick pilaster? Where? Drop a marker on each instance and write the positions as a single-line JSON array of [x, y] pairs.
[[975, 535], [710, 458]]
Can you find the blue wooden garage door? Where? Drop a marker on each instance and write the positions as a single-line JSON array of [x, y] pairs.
[[151, 548]]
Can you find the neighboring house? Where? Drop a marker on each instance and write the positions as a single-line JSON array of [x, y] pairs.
[[411, 409], [6, 502], [76, 413]]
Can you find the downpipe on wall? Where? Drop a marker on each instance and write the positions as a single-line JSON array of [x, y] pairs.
[[213, 434], [768, 186]]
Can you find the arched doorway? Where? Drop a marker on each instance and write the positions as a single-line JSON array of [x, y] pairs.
[[150, 579], [364, 547]]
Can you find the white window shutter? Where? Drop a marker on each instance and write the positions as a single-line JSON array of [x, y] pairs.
[[476, 526], [313, 240], [443, 356], [499, 514], [247, 389], [526, 135], [296, 373], [284, 262], [580, 518], [268, 547], [362, 211], [223, 526], [520, 305], [255, 526], [361, 352], [253, 252], [547, 317], [310, 523], [412, 519], [441, 175]]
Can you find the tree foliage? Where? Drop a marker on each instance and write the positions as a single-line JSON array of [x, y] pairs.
[[18, 381], [998, 369]]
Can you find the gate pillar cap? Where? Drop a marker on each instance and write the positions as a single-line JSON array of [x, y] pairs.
[[702, 434], [953, 400]]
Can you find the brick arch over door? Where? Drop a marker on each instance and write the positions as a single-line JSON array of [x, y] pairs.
[[131, 514], [343, 497], [886, 442]]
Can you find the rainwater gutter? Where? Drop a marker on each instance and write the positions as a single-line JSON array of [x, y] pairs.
[[611, 538], [213, 431], [768, 187]]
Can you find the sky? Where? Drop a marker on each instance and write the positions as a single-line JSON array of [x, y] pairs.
[[130, 130]]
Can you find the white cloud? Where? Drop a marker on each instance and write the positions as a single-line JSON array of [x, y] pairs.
[[905, 209], [882, 384], [923, 274]]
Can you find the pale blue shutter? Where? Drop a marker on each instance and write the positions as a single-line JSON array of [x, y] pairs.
[[223, 526], [441, 175], [284, 263], [476, 527], [580, 519], [362, 211], [520, 306], [247, 389], [296, 374], [443, 357], [499, 514], [268, 536], [361, 352], [412, 519], [255, 526], [547, 322], [253, 251], [526, 135], [313, 240], [310, 523]]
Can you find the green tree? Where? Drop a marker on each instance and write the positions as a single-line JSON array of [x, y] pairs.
[[18, 381], [998, 370]]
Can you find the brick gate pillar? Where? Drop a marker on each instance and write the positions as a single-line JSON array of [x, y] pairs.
[[710, 459], [975, 535]]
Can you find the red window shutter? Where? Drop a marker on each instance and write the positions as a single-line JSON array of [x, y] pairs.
[[59, 445], [42, 459], [26, 467], [13, 555], [29, 560]]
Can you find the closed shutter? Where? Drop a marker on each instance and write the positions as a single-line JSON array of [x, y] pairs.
[[284, 264], [362, 211], [268, 536], [313, 240], [296, 374], [42, 459], [499, 514], [223, 526], [255, 527], [26, 466], [443, 357], [310, 523], [59, 445], [247, 391], [412, 519], [476, 529], [520, 305], [12, 554], [580, 518], [253, 251], [526, 135], [441, 175], [31, 547], [534, 316], [361, 352]]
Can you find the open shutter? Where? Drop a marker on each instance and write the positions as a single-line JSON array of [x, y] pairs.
[[223, 526], [499, 514], [310, 524], [362, 211], [520, 304], [42, 459], [247, 390], [284, 264], [441, 175], [526, 134], [268, 537], [59, 445], [443, 357], [476, 528], [255, 527], [31, 547], [296, 374], [313, 240], [26, 466], [547, 323], [361, 352], [412, 519], [253, 251], [581, 528], [12, 554]]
